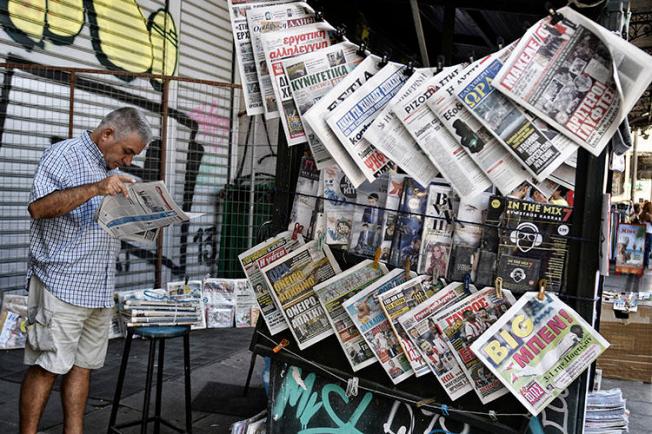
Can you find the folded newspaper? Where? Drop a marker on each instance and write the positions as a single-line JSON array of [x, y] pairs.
[[138, 217]]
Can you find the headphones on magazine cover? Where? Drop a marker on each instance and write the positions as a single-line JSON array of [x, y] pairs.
[[526, 236]]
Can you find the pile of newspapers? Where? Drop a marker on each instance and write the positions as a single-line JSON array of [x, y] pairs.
[[606, 413], [154, 307]]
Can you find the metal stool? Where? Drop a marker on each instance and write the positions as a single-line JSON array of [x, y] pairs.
[[154, 334]]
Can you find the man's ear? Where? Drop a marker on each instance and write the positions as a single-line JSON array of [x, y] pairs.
[[108, 133]]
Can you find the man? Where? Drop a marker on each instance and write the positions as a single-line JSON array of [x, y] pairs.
[[557, 197], [371, 214], [472, 327], [72, 264]]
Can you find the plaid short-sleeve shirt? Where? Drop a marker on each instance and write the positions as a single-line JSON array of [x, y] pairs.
[[71, 254]]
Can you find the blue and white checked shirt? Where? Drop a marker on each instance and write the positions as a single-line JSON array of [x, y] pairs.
[[71, 254]]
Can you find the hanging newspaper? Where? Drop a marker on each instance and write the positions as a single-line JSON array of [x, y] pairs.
[[340, 288], [246, 310], [389, 136], [246, 64], [461, 324], [273, 18], [352, 117], [539, 153], [537, 348], [305, 199], [400, 300], [409, 225], [311, 76], [190, 291], [365, 312], [316, 117], [437, 236], [422, 332], [339, 200], [436, 142], [292, 279], [368, 217], [282, 45], [579, 77], [394, 195], [258, 257], [495, 161]]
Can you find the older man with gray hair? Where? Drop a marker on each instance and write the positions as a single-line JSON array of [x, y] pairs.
[[72, 263]]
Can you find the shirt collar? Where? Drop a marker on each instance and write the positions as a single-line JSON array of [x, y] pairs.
[[92, 149]]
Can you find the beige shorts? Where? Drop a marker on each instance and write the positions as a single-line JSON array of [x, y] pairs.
[[60, 335]]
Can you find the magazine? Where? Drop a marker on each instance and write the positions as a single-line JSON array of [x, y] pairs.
[[305, 199], [400, 300], [337, 290], [394, 195], [316, 116], [220, 302], [311, 76], [246, 309], [13, 322], [461, 324], [283, 45], [577, 76], [537, 348], [368, 217], [389, 136], [630, 250], [273, 18], [258, 257], [292, 279], [407, 241], [421, 329], [471, 215], [436, 142], [365, 312], [351, 118], [339, 201], [437, 237], [189, 290]]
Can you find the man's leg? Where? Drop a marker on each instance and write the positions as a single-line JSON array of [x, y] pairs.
[[34, 394], [74, 393]]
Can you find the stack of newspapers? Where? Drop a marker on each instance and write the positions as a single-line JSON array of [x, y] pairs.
[[606, 413], [153, 307]]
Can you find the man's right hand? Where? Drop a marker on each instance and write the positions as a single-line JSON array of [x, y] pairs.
[[114, 184]]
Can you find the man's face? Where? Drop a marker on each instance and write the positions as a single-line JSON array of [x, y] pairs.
[[119, 153]]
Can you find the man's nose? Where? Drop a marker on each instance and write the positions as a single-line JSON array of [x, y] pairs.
[[127, 160]]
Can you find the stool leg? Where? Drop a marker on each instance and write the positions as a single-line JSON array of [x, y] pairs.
[[159, 386], [148, 385], [186, 369], [252, 364], [121, 379]]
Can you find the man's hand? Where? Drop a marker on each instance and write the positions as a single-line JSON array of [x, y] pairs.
[[113, 185]]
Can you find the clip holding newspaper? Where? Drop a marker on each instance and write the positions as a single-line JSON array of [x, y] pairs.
[[148, 207]]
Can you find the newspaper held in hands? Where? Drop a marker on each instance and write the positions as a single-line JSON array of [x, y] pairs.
[[149, 206]]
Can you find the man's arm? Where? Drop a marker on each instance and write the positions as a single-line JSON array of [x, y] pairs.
[[61, 202]]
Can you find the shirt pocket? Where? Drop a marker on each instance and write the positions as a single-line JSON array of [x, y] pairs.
[[39, 329]]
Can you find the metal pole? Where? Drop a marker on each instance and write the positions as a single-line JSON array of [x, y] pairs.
[[71, 104], [448, 34], [158, 265], [418, 27], [252, 185], [633, 166]]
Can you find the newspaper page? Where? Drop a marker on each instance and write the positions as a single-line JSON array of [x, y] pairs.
[[148, 206], [365, 312], [340, 288], [422, 331], [579, 77], [244, 53], [537, 348], [495, 161], [219, 302], [409, 225], [436, 142], [257, 258], [315, 118], [311, 76], [245, 303], [471, 215], [273, 18], [305, 200], [388, 134], [630, 242], [400, 300], [292, 279], [462, 323], [368, 217], [390, 221], [352, 117], [189, 290], [437, 236], [13, 322], [339, 201], [282, 45]]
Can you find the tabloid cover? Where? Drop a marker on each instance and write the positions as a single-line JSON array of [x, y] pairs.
[[437, 234], [407, 240], [368, 217]]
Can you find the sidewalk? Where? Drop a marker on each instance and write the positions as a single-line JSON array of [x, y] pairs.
[[216, 356]]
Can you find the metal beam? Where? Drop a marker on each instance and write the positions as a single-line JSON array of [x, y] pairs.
[[418, 27]]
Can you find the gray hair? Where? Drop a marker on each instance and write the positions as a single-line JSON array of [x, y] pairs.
[[127, 120]]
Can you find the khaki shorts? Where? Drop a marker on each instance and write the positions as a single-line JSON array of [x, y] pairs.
[[60, 335]]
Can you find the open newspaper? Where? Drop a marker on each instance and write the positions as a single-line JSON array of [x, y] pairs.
[[292, 279], [147, 208], [388, 134], [462, 323], [338, 289], [365, 312], [579, 77], [311, 76], [524, 137], [273, 18], [422, 332], [352, 117], [436, 142], [437, 236], [537, 348], [316, 117]]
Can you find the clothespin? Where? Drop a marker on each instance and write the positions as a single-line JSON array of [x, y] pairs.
[[341, 32], [298, 228], [472, 57], [352, 387], [362, 49], [409, 68], [500, 42], [426, 401], [499, 288], [284, 343], [444, 409], [440, 64], [555, 17], [320, 239], [408, 267], [319, 16], [377, 256], [467, 282], [542, 289], [492, 416], [384, 60]]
